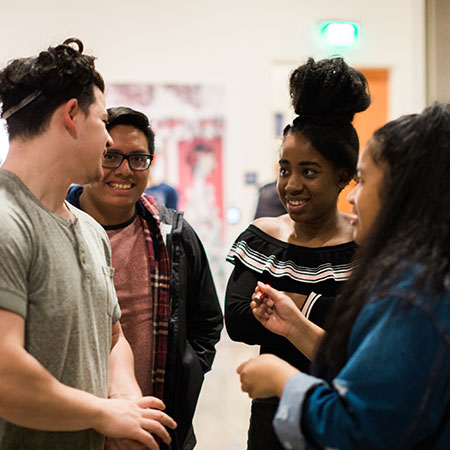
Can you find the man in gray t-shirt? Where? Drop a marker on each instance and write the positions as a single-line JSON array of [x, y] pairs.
[[62, 350]]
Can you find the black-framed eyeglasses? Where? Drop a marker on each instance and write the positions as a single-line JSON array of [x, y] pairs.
[[136, 161]]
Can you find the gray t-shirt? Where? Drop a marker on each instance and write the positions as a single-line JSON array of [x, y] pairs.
[[57, 275]]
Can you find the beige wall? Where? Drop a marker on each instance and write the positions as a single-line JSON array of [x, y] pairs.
[[438, 50], [235, 43]]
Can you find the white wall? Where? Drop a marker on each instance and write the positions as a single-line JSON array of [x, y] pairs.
[[235, 43]]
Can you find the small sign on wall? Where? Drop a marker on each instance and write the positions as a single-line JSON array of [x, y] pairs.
[[251, 178], [279, 124]]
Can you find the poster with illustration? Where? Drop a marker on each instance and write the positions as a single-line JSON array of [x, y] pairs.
[[188, 124]]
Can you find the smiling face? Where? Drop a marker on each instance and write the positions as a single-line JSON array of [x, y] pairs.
[[308, 184], [365, 197], [118, 191]]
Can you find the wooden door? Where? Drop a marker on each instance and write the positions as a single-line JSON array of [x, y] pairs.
[[370, 120]]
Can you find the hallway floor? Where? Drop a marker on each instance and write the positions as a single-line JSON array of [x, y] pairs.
[[221, 419]]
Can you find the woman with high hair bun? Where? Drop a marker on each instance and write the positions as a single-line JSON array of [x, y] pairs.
[[307, 252], [382, 372]]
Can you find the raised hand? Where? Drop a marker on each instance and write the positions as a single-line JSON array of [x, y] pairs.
[[276, 310], [279, 313]]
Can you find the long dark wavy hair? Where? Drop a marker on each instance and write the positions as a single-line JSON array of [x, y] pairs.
[[412, 227]]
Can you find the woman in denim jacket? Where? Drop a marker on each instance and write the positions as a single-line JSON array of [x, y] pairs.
[[381, 378]]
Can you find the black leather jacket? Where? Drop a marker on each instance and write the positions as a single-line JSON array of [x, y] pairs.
[[195, 323]]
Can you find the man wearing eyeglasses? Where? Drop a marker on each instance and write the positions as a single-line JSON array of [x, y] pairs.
[[170, 312]]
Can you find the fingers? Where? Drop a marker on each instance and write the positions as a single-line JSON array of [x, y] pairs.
[[245, 388], [260, 300], [269, 303], [147, 439], [151, 402], [241, 366], [155, 427], [240, 370], [245, 376], [261, 314], [269, 291], [274, 295], [262, 310], [163, 418], [153, 410], [154, 421], [258, 296]]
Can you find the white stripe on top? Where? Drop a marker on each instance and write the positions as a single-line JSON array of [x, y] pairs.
[[259, 262]]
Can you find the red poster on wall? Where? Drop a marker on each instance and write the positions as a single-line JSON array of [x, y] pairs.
[[200, 174], [188, 124]]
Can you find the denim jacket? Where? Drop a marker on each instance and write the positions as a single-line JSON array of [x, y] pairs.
[[393, 392]]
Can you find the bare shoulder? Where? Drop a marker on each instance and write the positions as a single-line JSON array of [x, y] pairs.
[[272, 226]]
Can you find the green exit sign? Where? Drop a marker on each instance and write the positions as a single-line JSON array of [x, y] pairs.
[[340, 34]]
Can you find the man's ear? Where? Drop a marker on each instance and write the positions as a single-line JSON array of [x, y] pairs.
[[70, 113]]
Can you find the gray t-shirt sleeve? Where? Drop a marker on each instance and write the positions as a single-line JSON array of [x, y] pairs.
[[15, 256]]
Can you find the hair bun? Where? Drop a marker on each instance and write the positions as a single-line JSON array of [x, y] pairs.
[[328, 91]]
